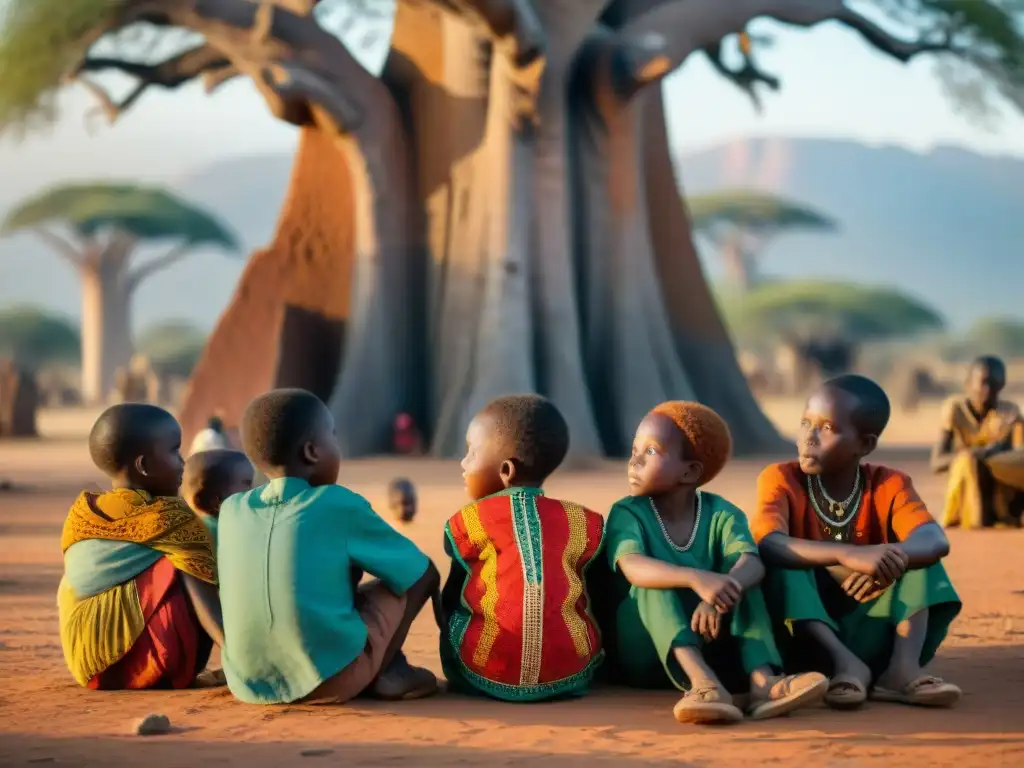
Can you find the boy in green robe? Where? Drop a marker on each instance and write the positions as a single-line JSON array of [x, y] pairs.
[[682, 607]]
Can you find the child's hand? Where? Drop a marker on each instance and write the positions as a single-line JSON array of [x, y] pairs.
[[706, 622], [715, 589], [884, 562], [862, 587]]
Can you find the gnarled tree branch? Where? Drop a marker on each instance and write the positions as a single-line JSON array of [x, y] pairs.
[[63, 248], [169, 74], [746, 78], [672, 31], [174, 255]]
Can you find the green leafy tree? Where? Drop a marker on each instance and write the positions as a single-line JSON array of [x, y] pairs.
[[741, 223], [777, 311], [172, 347], [105, 226], [517, 225], [33, 337]]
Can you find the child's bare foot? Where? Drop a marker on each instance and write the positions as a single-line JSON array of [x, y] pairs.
[[403, 682], [210, 678], [921, 690], [784, 694], [848, 686], [707, 704]]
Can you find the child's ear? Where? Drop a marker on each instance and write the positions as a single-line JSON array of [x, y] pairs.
[[868, 443], [507, 471], [692, 471], [310, 453], [140, 465]]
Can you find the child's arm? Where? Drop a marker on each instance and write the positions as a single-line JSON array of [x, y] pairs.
[[925, 546], [206, 603], [885, 562], [721, 591], [748, 571]]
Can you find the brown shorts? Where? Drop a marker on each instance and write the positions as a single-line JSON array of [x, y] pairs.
[[382, 611]]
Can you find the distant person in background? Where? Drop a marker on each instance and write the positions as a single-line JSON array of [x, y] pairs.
[[212, 438], [981, 446], [407, 440], [402, 499]]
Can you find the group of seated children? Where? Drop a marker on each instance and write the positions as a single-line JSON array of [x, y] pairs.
[[816, 600]]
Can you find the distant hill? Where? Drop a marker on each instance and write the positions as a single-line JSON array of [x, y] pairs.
[[947, 226]]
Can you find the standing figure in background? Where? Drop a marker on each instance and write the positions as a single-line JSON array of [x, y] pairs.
[[407, 440], [212, 438], [981, 446], [19, 401]]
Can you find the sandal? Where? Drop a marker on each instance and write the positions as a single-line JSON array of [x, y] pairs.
[[790, 693], [925, 691], [706, 706], [845, 692]]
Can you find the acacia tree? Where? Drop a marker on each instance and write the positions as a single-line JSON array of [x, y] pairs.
[[512, 160], [740, 224], [107, 223]]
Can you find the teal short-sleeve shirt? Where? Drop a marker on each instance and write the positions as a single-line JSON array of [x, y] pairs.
[[285, 554]]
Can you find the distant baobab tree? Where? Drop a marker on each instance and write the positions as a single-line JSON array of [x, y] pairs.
[[741, 223]]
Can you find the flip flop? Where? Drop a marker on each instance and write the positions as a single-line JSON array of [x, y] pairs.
[[791, 693], [706, 706], [845, 692], [925, 691]]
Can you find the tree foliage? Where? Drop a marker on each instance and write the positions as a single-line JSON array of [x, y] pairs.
[[1003, 336], [145, 213], [802, 309], [754, 211], [173, 346], [45, 42], [33, 337]]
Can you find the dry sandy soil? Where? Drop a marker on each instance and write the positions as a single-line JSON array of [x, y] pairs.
[[45, 718]]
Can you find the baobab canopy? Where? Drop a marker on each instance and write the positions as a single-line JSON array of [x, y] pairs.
[[497, 212]]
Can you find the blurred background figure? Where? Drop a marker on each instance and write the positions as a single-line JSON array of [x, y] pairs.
[[212, 438], [407, 440], [402, 499]]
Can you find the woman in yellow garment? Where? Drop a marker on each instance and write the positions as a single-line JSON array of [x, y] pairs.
[[981, 446]]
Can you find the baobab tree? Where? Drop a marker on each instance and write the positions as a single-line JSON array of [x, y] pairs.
[[515, 221], [741, 223], [105, 226]]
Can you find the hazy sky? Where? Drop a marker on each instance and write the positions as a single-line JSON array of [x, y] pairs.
[[833, 85]]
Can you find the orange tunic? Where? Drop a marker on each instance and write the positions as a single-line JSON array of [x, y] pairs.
[[890, 509]]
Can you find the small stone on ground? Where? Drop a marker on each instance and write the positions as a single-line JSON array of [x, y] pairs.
[[153, 724]]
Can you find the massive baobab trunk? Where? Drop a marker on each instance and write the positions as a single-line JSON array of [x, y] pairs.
[[305, 273]]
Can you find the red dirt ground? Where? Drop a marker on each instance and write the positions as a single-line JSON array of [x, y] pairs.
[[46, 719]]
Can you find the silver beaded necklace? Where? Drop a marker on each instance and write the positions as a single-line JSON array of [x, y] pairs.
[[693, 533], [837, 508]]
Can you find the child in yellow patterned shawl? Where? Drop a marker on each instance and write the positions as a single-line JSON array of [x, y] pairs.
[[138, 602]]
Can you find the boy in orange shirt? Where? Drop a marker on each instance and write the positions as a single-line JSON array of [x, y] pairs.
[[853, 557]]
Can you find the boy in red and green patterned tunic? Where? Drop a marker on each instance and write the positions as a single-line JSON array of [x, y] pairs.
[[516, 622]]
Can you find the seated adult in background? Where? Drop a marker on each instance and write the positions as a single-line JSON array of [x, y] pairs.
[[981, 446]]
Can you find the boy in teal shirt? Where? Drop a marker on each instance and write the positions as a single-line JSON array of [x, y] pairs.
[[290, 557]]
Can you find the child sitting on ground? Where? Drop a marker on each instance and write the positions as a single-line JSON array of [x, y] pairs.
[[515, 616], [856, 587], [138, 603], [683, 607], [211, 477], [298, 626]]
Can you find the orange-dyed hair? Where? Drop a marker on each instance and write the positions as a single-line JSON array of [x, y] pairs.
[[709, 439]]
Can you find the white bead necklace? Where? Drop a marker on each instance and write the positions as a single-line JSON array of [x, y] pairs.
[[693, 533]]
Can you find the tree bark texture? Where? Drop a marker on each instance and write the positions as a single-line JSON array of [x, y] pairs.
[[483, 225], [307, 268]]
